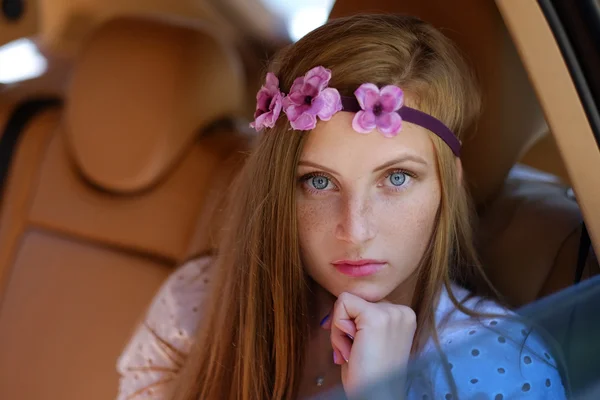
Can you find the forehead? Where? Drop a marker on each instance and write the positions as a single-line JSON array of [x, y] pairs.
[[334, 143]]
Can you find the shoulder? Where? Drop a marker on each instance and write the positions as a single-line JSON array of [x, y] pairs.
[[175, 311], [180, 293], [447, 313], [159, 346], [499, 355], [503, 357]]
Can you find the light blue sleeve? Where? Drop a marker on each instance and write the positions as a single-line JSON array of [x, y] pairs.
[[492, 360]]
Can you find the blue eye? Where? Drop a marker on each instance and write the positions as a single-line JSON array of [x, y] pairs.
[[397, 178], [319, 182]]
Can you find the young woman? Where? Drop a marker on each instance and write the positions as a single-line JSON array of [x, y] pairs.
[[348, 251]]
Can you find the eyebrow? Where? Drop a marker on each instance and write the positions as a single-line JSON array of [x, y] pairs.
[[407, 157]]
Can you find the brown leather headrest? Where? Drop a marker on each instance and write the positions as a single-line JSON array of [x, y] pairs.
[[141, 91]]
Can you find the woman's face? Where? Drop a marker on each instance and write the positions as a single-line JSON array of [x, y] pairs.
[[366, 208]]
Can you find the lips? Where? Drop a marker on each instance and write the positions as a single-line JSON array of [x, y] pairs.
[[359, 268]]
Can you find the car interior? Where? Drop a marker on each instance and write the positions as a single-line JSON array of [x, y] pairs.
[[116, 161]]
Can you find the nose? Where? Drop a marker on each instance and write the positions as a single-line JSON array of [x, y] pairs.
[[356, 224]]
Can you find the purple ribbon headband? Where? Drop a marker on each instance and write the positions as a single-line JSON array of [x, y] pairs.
[[311, 98]]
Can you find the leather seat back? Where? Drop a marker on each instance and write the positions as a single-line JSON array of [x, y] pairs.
[[529, 236], [104, 198]]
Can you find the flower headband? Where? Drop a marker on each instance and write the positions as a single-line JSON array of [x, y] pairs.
[[310, 97]]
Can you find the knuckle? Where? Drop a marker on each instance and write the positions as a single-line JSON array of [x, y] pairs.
[[379, 319], [402, 315], [344, 296], [409, 317]]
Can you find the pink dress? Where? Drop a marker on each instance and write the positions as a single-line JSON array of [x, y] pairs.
[[152, 359]]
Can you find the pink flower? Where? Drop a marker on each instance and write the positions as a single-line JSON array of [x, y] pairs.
[[268, 103], [378, 109], [310, 98]]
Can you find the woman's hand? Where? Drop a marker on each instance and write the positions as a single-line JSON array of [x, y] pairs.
[[370, 340]]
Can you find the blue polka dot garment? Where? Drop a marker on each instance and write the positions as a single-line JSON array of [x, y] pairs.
[[494, 358]]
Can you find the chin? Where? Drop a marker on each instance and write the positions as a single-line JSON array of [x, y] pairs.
[[370, 292]]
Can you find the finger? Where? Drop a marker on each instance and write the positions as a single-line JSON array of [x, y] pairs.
[[341, 343], [326, 322], [347, 310], [348, 327], [337, 357]]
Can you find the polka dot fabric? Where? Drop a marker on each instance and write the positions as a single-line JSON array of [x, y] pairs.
[[493, 358], [152, 359]]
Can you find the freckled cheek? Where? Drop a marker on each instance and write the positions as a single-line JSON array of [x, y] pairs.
[[407, 220], [315, 219]]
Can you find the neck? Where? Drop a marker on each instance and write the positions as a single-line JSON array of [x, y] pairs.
[[404, 294], [321, 304]]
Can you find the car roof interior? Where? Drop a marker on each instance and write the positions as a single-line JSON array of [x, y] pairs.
[[164, 90]]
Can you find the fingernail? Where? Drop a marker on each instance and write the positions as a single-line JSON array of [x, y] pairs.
[[324, 320], [350, 336]]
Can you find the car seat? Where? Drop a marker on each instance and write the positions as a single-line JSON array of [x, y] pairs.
[[103, 199]]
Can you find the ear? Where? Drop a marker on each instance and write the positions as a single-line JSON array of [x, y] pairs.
[[459, 171]]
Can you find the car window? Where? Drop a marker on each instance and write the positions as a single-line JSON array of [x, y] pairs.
[[576, 27], [569, 325]]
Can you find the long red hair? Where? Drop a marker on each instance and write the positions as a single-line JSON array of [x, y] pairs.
[[253, 337]]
